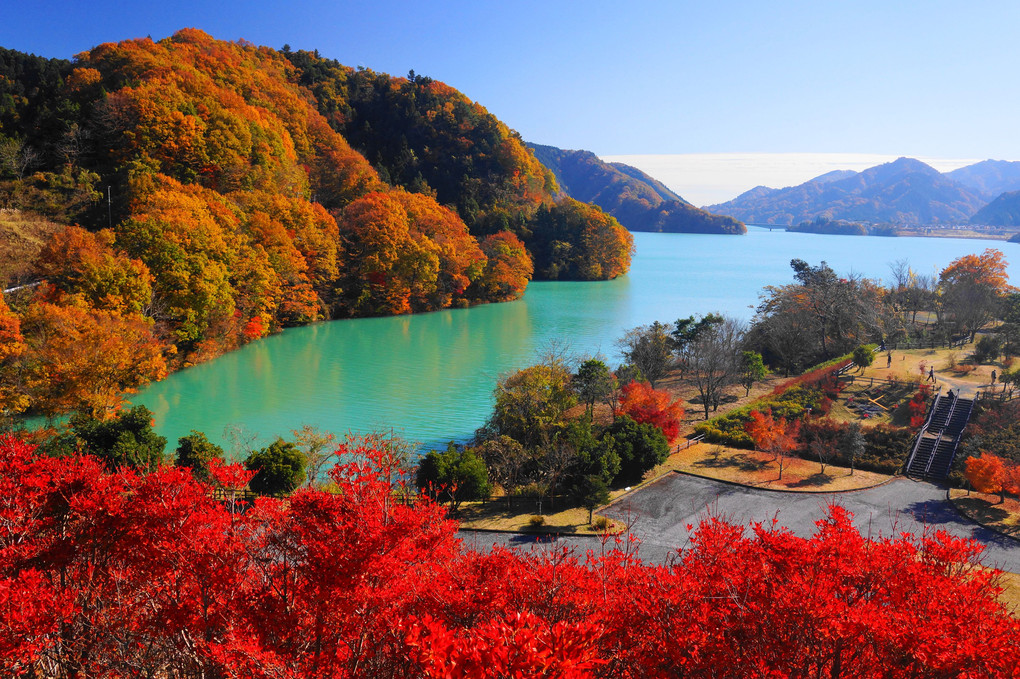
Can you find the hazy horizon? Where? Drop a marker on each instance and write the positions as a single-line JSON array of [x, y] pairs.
[[712, 178]]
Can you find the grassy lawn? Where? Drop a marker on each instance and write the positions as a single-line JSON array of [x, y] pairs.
[[988, 511], [760, 470], [559, 518], [1010, 596]]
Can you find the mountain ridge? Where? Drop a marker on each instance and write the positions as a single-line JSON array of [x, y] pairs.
[[1003, 211], [638, 201], [903, 191], [990, 177]]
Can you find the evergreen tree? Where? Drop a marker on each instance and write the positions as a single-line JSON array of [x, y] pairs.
[[279, 468]]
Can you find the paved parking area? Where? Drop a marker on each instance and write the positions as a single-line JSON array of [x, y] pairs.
[[659, 513]]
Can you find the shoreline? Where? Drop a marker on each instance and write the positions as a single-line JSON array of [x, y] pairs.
[[906, 232]]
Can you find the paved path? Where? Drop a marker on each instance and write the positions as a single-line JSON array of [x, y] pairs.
[[659, 513]]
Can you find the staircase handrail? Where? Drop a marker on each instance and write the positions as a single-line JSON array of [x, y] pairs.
[[949, 415], [934, 453], [924, 428], [959, 435], [931, 411]]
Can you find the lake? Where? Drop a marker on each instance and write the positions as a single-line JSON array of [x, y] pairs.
[[429, 377]]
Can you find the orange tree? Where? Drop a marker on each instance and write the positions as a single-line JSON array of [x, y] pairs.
[[991, 474], [972, 287], [652, 406], [773, 435]]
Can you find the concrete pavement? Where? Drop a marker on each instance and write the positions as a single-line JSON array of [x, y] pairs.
[[658, 515]]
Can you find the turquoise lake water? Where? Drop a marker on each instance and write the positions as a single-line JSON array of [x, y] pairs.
[[430, 377]]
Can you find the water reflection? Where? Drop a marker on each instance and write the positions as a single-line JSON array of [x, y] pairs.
[[430, 377]]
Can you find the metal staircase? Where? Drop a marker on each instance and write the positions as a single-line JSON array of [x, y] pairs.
[[936, 444]]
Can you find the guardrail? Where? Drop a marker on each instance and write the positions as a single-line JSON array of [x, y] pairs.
[[22, 287], [994, 394], [693, 441]]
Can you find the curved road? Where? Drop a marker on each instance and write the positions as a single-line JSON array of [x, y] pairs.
[[658, 515]]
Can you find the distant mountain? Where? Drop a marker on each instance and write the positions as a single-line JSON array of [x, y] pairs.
[[638, 201], [990, 177], [1003, 211], [905, 191]]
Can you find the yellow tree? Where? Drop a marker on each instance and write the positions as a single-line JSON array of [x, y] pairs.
[[12, 347], [84, 360], [507, 270], [390, 269], [77, 262], [461, 260]]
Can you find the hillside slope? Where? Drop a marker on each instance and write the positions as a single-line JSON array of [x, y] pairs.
[[989, 177], [639, 202], [1003, 211]]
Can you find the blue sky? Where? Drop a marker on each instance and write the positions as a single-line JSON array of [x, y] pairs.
[[924, 79]]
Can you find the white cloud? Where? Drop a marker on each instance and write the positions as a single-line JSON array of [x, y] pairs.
[[711, 178]]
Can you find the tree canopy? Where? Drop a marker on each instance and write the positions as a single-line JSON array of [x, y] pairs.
[[350, 584], [279, 468]]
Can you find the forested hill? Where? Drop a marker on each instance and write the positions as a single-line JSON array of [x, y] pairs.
[[905, 191], [1003, 211], [638, 201], [251, 189], [989, 177]]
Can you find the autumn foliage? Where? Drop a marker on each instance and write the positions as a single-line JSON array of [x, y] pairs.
[[117, 574], [991, 474], [775, 435], [772, 434], [238, 204], [918, 405], [652, 406], [971, 288]]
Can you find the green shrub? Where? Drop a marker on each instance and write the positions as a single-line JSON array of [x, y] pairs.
[[279, 469], [728, 429], [885, 448], [639, 446], [456, 475], [987, 349], [864, 355]]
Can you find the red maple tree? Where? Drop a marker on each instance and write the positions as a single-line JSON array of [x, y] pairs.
[[119, 574], [646, 405]]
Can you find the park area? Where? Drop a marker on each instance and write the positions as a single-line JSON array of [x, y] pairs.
[[877, 397]]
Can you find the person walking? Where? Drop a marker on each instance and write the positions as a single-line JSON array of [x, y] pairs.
[[931, 373]]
